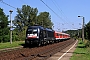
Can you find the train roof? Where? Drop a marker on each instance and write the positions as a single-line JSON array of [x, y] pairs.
[[36, 27], [61, 33], [57, 32], [48, 29], [41, 27]]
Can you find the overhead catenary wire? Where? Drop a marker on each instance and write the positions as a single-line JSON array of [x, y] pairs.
[[60, 10], [55, 12], [43, 3], [56, 5], [7, 4], [51, 10]]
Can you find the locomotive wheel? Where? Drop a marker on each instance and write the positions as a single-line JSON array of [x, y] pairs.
[[39, 43], [48, 42], [53, 41], [26, 42], [44, 42]]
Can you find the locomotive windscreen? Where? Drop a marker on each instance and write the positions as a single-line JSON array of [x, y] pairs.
[[32, 30]]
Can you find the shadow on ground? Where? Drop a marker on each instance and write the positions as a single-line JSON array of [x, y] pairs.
[[82, 46], [29, 45], [79, 53]]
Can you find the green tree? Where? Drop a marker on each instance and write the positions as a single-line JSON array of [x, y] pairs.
[[87, 30], [44, 19], [26, 16], [87, 34], [4, 30]]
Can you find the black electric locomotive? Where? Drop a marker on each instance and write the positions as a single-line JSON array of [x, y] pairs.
[[39, 35]]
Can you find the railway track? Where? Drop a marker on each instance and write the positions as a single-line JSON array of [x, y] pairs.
[[36, 53]]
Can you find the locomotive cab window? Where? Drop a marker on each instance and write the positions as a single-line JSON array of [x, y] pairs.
[[32, 31]]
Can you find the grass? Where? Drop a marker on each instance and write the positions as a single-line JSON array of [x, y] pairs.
[[81, 52], [8, 45]]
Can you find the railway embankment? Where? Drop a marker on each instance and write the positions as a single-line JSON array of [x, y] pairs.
[[81, 52], [35, 53], [7, 45]]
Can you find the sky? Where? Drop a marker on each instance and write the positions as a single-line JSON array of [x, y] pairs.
[[64, 13]]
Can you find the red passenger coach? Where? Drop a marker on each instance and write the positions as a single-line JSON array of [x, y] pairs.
[[66, 36], [56, 34], [61, 36]]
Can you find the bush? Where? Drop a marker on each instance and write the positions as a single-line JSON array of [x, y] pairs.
[[6, 38], [0, 39], [87, 44], [15, 38]]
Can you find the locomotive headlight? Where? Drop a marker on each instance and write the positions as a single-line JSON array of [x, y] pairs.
[[37, 37], [28, 34], [38, 29]]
